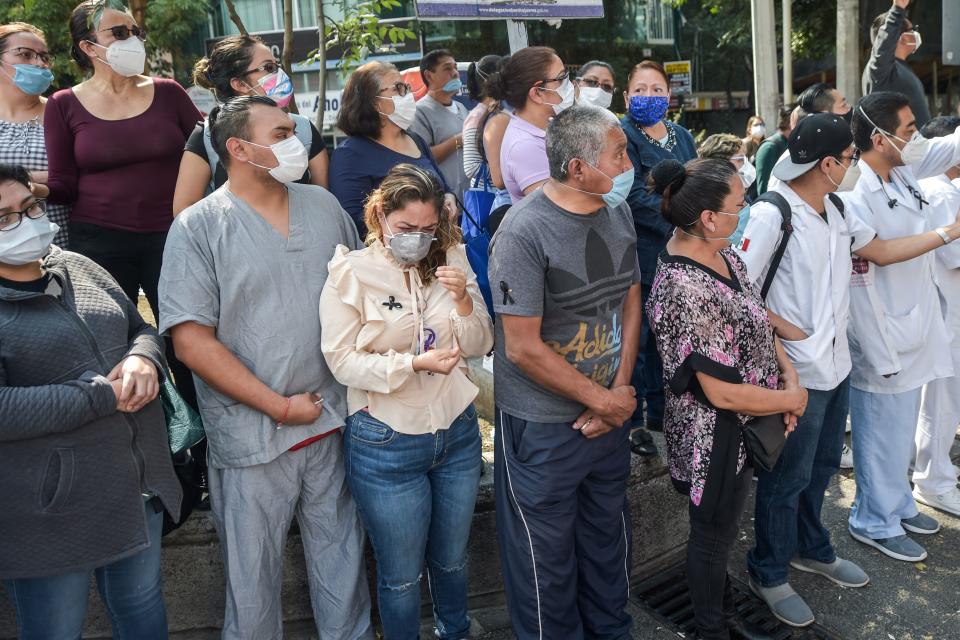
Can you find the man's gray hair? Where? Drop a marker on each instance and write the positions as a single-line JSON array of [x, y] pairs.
[[577, 132]]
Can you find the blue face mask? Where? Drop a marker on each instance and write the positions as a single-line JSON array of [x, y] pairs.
[[452, 86], [619, 190], [648, 110], [31, 79], [741, 226]]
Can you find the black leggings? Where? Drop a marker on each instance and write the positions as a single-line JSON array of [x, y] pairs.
[[134, 260], [707, 554]]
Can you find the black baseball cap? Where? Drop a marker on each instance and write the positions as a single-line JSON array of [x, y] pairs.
[[815, 137]]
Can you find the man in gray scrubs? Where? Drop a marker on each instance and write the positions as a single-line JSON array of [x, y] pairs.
[[239, 292]]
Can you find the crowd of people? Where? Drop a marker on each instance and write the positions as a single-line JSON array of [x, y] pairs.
[[754, 298]]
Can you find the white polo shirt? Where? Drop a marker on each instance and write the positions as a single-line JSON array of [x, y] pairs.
[[912, 340], [811, 288]]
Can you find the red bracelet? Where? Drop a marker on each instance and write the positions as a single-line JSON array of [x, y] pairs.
[[286, 411]]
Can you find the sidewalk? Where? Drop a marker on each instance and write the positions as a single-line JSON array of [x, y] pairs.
[[904, 601]]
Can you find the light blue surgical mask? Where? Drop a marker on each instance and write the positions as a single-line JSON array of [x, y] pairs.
[[31, 79], [619, 189], [741, 226], [452, 86]]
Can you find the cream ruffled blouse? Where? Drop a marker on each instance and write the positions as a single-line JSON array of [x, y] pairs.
[[376, 315]]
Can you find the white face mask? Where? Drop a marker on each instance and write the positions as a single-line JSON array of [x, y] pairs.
[[404, 110], [596, 97], [850, 178], [28, 242], [748, 173], [758, 130], [567, 94], [125, 57], [292, 159], [914, 150]]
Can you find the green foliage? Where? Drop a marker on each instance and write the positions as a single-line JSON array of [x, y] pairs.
[[171, 24], [361, 33], [814, 24]]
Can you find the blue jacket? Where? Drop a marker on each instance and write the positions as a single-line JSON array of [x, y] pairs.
[[653, 230]]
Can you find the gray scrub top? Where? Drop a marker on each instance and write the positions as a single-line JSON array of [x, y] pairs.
[[224, 266]]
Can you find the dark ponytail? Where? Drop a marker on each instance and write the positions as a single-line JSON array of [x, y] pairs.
[[688, 190], [523, 70], [479, 72]]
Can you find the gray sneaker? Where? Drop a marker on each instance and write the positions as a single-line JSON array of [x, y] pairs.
[[784, 603], [843, 572], [921, 523], [898, 548]]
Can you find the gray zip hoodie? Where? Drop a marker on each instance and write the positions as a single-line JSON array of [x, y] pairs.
[[73, 470]]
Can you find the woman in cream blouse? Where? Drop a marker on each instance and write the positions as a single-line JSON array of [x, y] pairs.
[[398, 317]]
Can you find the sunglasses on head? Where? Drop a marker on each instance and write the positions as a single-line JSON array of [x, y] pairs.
[[122, 32]]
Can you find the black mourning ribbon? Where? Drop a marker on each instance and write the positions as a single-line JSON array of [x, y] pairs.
[[392, 304], [505, 288], [918, 195]]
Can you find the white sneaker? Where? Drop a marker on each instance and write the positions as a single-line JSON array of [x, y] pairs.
[[846, 458], [849, 427], [948, 502]]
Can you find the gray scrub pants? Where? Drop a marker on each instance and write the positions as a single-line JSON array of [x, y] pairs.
[[253, 508]]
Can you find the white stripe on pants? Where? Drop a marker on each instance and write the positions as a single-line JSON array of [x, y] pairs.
[[253, 508], [933, 472], [884, 425]]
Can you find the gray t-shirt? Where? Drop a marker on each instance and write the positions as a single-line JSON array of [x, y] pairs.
[[224, 266], [574, 272], [435, 123]]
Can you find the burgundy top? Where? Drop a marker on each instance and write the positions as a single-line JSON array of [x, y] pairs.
[[119, 174]]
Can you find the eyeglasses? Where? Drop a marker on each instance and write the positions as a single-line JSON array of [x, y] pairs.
[[560, 78], [402, 88], [122, 32], [29, 55], [271, 66], [12, 219], [853, 157], [590, 82]]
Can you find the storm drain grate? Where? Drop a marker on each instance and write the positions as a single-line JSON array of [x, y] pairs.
[[667, 598]]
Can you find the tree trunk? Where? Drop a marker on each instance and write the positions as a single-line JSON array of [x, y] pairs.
[[322, 60], [286, 58], [235, 17], [138, 8]]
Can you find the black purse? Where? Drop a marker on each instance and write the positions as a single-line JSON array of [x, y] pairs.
[[765, 437]]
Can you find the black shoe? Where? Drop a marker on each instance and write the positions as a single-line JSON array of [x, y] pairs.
[[740, 629], [641, 443]]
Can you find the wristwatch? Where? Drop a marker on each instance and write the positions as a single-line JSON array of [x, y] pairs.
[[943, 235]]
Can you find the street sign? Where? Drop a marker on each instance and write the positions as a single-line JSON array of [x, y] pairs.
[[308, 103], [508, 9], [680, 75]]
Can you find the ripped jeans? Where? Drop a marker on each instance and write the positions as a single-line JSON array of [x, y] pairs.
[[416, 495]]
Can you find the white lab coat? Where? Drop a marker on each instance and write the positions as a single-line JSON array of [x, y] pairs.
[[934, 473], [812, 286], [913, 340]]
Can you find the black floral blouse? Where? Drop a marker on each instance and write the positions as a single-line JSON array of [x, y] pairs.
[[718, 326]]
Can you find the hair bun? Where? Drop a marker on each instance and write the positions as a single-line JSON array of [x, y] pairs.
[[667, 174]]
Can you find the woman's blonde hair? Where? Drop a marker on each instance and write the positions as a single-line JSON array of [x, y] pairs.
[[720, 145], [406, 183]]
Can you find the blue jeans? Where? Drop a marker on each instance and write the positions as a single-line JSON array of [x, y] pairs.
[[416, 494], [647, 377], [53, 608], [789, 498]]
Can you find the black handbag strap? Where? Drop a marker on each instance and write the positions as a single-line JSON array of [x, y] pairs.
[[786, 226]]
